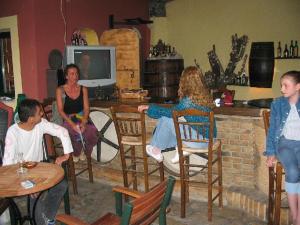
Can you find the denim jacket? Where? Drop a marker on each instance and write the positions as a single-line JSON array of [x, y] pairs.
[[155, 111], [280, 110]]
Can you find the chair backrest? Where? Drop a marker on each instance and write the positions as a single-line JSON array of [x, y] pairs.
[[9, 111], [6, 116], [266, 117], [129, 123], [185, 131], [153, 204], [48, 139]]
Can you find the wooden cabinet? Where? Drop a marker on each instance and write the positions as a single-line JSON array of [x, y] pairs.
[[127, 45]]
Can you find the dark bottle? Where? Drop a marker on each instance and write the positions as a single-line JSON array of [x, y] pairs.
[[286, 52], [296, 50], [279, 51], [238, 80], [244, 80], [291, 49], [73, 41]]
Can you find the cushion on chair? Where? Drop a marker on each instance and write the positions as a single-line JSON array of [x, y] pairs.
[[216, 145], [130, 140]]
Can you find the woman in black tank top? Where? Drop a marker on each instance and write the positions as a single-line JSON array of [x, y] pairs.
[[73, 106]]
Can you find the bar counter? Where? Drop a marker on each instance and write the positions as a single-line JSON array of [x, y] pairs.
[[241, 130], [238, 108]]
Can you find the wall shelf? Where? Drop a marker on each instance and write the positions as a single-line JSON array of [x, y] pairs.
[[287, 58]]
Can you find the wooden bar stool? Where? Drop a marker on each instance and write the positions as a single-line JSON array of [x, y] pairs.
[[54, 144], [275, 183], [184, 133], [131, 132]]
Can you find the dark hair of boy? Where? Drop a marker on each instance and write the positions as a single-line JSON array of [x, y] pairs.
[[27, 108]]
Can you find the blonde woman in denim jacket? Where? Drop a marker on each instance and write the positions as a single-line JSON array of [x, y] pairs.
[[192, 93], [283, 140]]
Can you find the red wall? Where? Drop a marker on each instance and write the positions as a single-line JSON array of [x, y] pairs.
[[41, 29]]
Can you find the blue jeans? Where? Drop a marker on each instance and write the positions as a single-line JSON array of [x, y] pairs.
[[165, 136], [49, 202], [289, 155]]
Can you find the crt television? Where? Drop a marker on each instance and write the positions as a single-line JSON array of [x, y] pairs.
[[97, 64]]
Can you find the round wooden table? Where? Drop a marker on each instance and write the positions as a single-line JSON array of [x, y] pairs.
[[45, 176]]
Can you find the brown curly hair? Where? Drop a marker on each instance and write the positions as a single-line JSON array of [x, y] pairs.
[[192, 85]]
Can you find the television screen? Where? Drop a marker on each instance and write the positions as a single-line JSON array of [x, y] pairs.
[[93, 64], [97, 64]]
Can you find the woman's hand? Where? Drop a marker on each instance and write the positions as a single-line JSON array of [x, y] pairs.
[[270, 161], [141, 108], [83, 125]]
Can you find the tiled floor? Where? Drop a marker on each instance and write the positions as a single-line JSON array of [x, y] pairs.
[[96, 199]]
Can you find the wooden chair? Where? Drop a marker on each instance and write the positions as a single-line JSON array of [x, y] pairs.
[[275, 183], [6, 116], [131, 132], [213, 151], [144, 209], [54, 145]]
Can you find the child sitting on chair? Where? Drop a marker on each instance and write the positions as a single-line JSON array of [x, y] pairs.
[[192, 93]]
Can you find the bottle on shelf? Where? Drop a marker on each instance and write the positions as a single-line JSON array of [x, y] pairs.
[[244, 79], [291, 49], [296, 50], [279, 51], [238, 80], [286, 52]]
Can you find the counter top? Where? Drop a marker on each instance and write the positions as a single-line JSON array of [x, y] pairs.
[[238, 109]]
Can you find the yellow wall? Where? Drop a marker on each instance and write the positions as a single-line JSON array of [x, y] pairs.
[[11, 24], [193, 26]]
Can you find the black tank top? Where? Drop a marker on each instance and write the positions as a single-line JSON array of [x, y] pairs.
[[72, 106]]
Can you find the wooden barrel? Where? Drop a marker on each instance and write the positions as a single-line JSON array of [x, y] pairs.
[[161, 77], [261, 64]]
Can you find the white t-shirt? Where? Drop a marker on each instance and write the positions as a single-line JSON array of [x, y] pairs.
[[292, 125], [30, 142]]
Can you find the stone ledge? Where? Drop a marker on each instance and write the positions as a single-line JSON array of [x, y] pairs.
[[254, 203]]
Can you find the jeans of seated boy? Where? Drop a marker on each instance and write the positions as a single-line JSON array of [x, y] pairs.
[[165, 136], [49, 202]]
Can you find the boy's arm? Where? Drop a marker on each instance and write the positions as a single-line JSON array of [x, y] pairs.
[[63, 134]]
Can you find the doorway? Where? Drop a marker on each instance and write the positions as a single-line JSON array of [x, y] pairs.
[[10, 25], [7, 84]]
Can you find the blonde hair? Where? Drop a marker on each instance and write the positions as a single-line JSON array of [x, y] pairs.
[[192, 85]]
